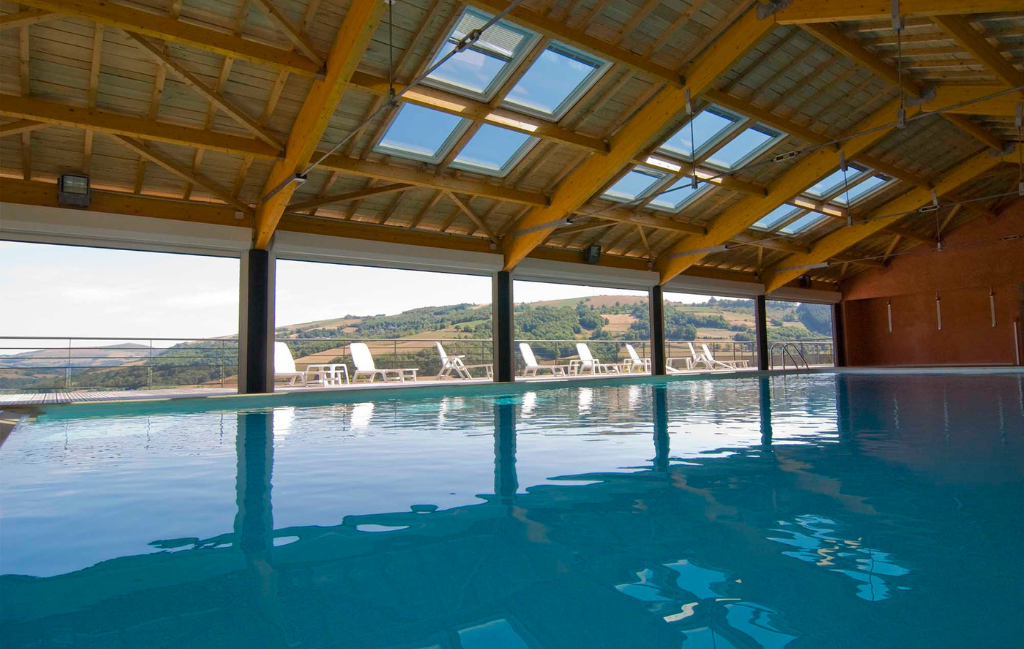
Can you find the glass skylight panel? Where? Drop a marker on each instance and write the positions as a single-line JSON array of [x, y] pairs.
[[555, 81], [804, 223], [708, 126], [479, 69], [493, 150], [634, 184], [835, 181], [776, 216], [421, 133], [743, 147], [673, 198], [862, 190]]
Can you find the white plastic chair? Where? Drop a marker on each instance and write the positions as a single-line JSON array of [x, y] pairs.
[[635, 362], [532, 366], [725, 364], [587, 363], [696, 358], [362, 359], [284, 365], [455, 364]]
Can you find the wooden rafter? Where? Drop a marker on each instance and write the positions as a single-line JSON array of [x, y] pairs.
[[961, 31], [94, 81], [25, 79], [480, 223], [816, 11], [835, 243], [348, 196], [173, 30], [293, 33], [650, 122], [21, 126], [26, 18], [182, 172]]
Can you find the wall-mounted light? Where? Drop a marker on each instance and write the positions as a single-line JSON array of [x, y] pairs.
[[938, 309], [888, 310], [73, 189]]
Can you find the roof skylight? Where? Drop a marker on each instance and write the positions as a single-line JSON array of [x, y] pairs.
[[480, 69], [863, 189], [804, 223], [709, 126], [421, 133], [493, 150], [634, 184], [775, 217], [675, 197], [836, 181], [555, 81], [744, 147]]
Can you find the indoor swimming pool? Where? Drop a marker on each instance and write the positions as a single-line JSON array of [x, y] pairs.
[[806, 510]]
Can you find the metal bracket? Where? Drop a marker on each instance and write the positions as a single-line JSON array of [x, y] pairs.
[[769, 9], [927, 95]]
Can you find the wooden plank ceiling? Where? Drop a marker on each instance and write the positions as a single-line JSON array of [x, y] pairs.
[[193, 102]]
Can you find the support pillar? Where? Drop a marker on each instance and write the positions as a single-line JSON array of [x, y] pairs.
[[506, 481], [503, 327], [761, 331], [256, 322], [838, 336], [661, 439], [656, 304]]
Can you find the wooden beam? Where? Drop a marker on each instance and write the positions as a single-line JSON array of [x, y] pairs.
[[293, 33], [853, 49], [348, 196], [473, 217], [94, 83], [20, 126], [559, 31], [206, 92], [649, 220], [1002, 106], [63, 114], [978, 46], [26, 18], [453, 104], [835, 243], [183, 172], [353, 37], [742, 215], [818, 11], [649, 123], [582, 227], [395, 173], [177, 31]]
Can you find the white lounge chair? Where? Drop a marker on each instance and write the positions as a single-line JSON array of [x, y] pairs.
[[732, 365], [284, 365], [362, 359], [587, 363], [532, 366], [455, 364], [697, 358], [635, 362]]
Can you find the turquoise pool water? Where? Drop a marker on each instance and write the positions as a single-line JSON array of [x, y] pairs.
[[811, 510]]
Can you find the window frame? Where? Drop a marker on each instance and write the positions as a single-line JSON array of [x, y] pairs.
[[530, 38], [600, 68], [753, 153], [887, 181], [703, 187], [822, 218], [442, 151]]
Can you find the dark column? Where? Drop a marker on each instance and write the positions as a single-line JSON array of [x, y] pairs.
[[502, 327], [506, 481], [256, 323], [656, 304], [661, 440], [254, 448], [765, 389], [838, 336], [761, 330]]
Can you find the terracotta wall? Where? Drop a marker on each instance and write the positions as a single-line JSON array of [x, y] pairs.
[[979, 257]]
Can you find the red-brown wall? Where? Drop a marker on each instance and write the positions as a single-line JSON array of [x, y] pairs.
[[977, 258]]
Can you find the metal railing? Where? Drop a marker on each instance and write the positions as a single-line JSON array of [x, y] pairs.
[[40, 363]]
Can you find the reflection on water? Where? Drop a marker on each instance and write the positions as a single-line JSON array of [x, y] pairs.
[[804, 511]]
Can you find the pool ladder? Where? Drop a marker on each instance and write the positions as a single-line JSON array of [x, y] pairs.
[[787, 349]]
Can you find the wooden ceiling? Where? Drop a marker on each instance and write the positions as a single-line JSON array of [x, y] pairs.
[[178, 105]]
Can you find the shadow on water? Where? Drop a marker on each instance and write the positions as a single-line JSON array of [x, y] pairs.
[[847, 536]]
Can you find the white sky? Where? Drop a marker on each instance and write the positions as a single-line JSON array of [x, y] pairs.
[[71, 291]]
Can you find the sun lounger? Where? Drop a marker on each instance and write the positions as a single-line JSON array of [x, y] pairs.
[[363, 361], [532, 366], [455, 364]]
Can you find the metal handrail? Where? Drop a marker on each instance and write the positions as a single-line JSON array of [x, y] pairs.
[[787, 348]]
